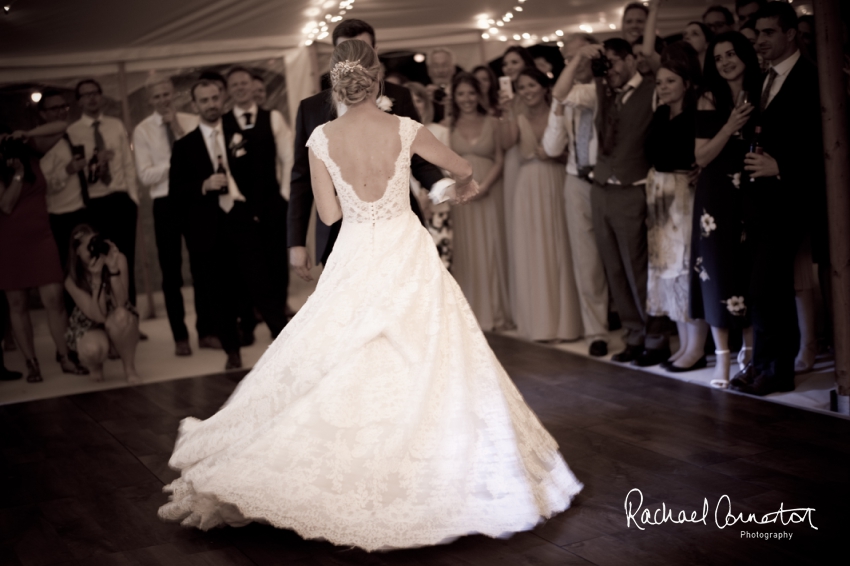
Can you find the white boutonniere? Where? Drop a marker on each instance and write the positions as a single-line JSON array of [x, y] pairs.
[[237, 145], [385, 103]]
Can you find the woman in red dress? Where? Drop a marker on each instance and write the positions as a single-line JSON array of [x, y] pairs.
[[28, 254]]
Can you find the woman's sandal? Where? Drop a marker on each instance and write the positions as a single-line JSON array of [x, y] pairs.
[[743, 358], [720, 383], [33, 371], [71, 366]]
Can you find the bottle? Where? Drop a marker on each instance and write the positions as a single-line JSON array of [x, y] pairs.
[[94, 173], [220, 170], [756, 147]]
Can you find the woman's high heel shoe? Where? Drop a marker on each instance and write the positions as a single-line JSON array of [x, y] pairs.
[[33, 371], [745, 355], [71, 366], [805, 361], [722, 358]]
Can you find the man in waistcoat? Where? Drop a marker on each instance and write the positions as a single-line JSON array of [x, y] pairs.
[[618, 196], [256, 140]]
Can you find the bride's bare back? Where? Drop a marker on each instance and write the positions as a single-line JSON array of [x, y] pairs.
[[364, 146]]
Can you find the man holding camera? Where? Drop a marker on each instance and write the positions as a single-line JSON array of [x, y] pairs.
[[113, 196], [571, 124], [618, 197]]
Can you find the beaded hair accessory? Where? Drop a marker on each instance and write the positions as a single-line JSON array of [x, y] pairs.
[[343, 68]]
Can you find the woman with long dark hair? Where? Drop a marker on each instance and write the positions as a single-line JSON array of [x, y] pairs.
[[547, 306], [514, 61], [725, 125], [98, 282], [489, 89], [480, 265], [670, 201], [699, 36]]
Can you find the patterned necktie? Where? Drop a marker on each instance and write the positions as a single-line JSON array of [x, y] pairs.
[[765, 95], [99, 145], [583, 135], [81, 175], [225, 201], [169, 133], [248, 119]]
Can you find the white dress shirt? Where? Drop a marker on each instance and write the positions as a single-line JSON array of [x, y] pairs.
[[214, 138], [64, 193], [153, 152], [782, 71], [121, 165], [561, 131], [283, 139]]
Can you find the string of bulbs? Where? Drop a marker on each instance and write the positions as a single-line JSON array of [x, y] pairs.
[[494, 29], [333, 13]]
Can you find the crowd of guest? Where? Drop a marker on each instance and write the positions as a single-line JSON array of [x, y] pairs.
[[69, 197], [654, 185]]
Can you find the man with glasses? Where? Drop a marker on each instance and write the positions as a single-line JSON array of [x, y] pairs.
[[111, 192], [64, 168], [719, 20]]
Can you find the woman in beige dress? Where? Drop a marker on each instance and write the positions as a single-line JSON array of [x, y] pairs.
[[515, 59], [546, 306], [480, 263]]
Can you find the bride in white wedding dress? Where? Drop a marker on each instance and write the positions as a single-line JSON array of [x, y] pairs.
[[380, 417]]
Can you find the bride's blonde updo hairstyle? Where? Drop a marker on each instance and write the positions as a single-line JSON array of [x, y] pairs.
[[355, 68]]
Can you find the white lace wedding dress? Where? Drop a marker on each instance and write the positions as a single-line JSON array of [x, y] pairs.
[[379, 418]]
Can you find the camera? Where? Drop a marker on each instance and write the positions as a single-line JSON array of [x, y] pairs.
[[600, 66], [13, 148], [78, 151], [98, 246]]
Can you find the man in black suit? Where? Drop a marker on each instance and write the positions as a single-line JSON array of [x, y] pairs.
[[787, 179], [195, 185], [315, 111], [257, 141]]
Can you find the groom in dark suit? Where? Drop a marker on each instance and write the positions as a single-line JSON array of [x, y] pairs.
[[315, 111], [788, 179]]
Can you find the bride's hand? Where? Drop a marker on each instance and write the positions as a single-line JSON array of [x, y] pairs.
[[467, 192]]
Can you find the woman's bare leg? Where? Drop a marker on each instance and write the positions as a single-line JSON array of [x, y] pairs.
[[123, 329], [92, 348]]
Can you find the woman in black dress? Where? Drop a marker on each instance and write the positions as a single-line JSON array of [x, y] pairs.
[[720, 271]]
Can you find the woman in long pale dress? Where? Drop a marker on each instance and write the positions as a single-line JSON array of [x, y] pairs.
[[379, 417], [480, 265], [547, 305], [515, 59]]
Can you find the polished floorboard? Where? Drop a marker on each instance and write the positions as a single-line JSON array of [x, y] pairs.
[[82, 477]]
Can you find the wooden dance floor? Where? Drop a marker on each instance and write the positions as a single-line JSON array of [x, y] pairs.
[[82, 477]]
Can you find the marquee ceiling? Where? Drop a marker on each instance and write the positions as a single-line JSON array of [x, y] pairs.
[[41, 28]]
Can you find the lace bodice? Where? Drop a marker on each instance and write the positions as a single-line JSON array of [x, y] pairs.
[[395, 200]]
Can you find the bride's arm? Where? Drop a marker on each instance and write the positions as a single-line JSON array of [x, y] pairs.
[[429, 148], [327, 203]]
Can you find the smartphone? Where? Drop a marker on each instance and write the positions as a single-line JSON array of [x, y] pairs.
[[506, 86]]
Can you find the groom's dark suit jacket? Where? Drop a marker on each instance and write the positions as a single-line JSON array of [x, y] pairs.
[[313, 112], [781, 212]]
